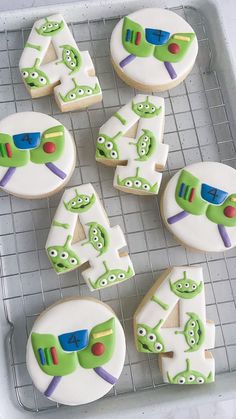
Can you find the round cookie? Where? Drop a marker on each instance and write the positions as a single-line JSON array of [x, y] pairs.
[[153, 49], [76, 351], [37, 155], [199, 206]]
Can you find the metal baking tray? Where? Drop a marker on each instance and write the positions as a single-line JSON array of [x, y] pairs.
[[198, 126]]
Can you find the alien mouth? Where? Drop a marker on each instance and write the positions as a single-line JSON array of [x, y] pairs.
[[60, 265], [144, 346], [101, 153], [80, 206], [32, 84]]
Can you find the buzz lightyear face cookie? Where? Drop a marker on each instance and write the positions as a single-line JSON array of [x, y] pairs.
[[199, 207], [153, 49]]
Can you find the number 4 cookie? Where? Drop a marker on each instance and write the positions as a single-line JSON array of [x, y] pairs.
[[51, 61], [81, 233], [171, 321]]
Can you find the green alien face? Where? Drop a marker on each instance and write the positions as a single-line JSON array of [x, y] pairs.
[[148, 339], [138, 183], [193, 332], [107, 148], [71, 58], [145, 145], [80, 203], [80, 91], [63, 258], [146, 109], [50, 27], [189, 376], [34, 77], [186, 287], [98, 237], [112, 276]]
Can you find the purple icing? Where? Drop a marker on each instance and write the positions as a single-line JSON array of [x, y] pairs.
[[105, 375], [224, 235], [58, 172], [52, 386], [127, 60], [9, 173], [177, 217], [170, 70]]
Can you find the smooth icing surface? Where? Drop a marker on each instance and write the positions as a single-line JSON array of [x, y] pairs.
[[80, 233], [76, 351], [141, 150], [153, 47], [72, 68], [37, 154], [190, 364], [199, 206]]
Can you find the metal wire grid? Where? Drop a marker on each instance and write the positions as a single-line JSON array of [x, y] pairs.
[[197, 128]]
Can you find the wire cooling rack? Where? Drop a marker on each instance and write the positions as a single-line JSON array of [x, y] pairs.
[[196, 128]]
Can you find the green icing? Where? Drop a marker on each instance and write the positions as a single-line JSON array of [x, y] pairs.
[[137, 182], [67, 361], [144, 49], [19, 157], [197, 206], [33, 46], [145, 109], [190, 376], [215, 213], [58, 224], [186, 288], [156, 300], [148, 338], [86, 357], [106, 147], [193, 332], [55, 135], [111, 276], [80, 202], [50, 27], [120, 117], [145, 145], [162, 53], [71, 58], [62, 258], [98, 237], [34, 77], [80, 91]]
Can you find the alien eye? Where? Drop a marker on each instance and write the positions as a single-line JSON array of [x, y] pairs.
[[67, 51], [146, 106], [143, 144], [49, 25], [121, 276], [86, 199], [191, 378], [193, 324], [192, 341], [73, 261], [25, 74], [68, 58], [42, 80], [109, 145], [191, 333], [56, 25], [186, 285], [100, 140], [140, 106], [99, 245], [158, 346], [72, 64], [64, 255], [72, 96], [142, 152], [145, 138], [137, 183], [89, 91], [73, 203], [151, 337], [194, 286], [200, 380], [153, 109], [34, 75], [128, 183], [112, 278], [44, 28], [79, 200], [53, 253], [114, 154], [146, 186], [141, 331], [80, 92], [179, 286], [94, 231], [181, 380], [95, 238], [103, 282]]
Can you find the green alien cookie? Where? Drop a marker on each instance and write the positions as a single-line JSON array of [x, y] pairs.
[[189, 376], [34, 77], [193, 332], [146, 109], [80, 203], [98, 237], [137, 182], [80, 91], [111, 276], [50, 27], [63, 258], [145, 145], [148, 338], [186, 287], [71, 58], [106, 147]]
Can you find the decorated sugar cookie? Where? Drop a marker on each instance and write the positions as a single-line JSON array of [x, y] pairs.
[[199, 206], [172, 319], [131, 140], [153, 49], [81, 233], [75, 351], [37, 155], [52, 62]]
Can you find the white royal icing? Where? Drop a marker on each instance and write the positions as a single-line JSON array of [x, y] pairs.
[[74, 85], [131, 150], [107, 266], [148, 71], [198, 231], [158, 305], [83, 385], [34, 180]]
